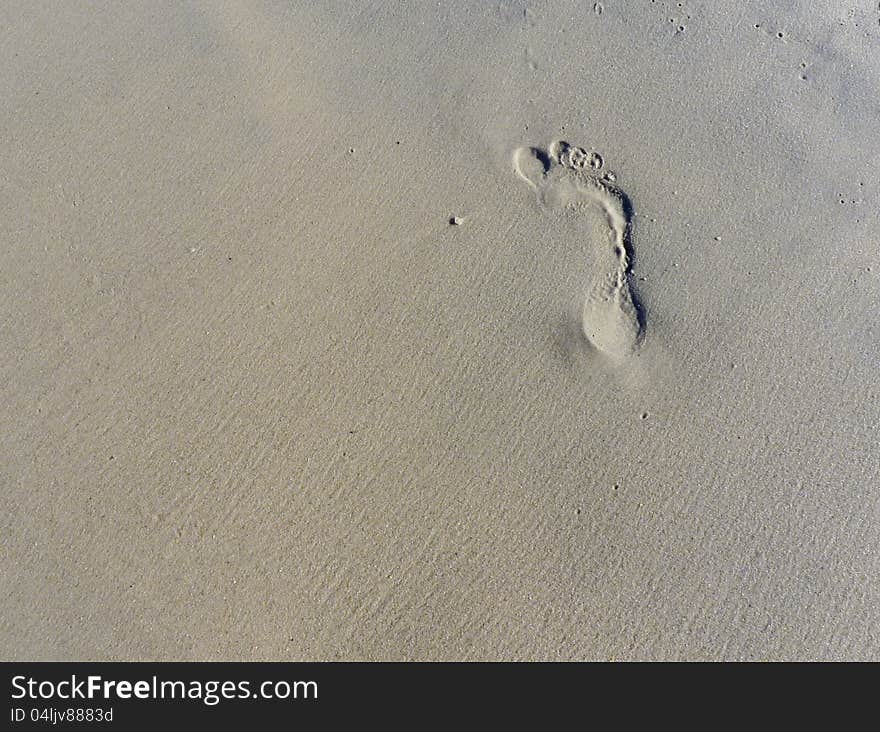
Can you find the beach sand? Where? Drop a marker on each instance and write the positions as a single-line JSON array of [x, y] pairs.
[[440, 331]]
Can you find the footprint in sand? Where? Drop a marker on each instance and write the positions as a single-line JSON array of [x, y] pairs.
[[570, 177]]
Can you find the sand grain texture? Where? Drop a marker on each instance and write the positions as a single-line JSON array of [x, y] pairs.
[[262, 400]]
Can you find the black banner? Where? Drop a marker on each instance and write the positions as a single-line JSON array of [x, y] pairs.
[[272, 695]]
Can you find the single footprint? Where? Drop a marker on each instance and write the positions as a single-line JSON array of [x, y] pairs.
[[564, 176]]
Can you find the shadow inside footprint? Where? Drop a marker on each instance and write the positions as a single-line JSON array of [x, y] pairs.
[[532, 164]]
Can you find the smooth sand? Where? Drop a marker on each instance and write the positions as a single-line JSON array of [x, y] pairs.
[[262, 400]]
